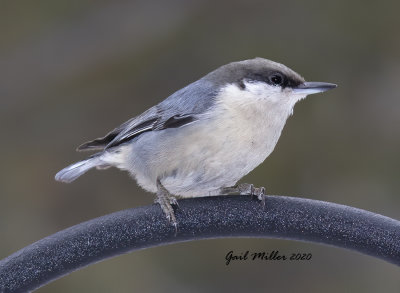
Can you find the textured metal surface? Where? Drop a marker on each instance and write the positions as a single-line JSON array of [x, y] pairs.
[[210, 217]]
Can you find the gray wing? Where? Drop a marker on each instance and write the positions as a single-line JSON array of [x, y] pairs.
[[181, 108]]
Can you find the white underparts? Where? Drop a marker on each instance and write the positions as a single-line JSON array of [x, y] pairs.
[[234, 137]]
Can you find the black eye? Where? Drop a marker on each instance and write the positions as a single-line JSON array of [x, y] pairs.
[[276, 79]]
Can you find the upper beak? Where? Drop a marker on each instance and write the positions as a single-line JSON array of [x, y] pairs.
[[309, 88]]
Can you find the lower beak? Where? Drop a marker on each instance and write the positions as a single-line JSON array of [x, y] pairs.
[[309, 88]]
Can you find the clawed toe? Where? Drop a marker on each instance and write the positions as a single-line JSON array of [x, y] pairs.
[[259, 192], [173, 201], [247, 189], [166, 200]]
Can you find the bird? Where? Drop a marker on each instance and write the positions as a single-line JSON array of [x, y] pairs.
[[202, 139]]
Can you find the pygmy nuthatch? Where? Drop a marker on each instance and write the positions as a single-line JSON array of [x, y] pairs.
[[203, 138]]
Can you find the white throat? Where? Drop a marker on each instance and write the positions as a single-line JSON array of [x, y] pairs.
[[258, 102]]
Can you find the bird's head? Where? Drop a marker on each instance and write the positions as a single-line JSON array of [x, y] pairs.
[[265, 80]]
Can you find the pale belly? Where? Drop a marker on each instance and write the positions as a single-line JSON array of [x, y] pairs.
[[200, 158]]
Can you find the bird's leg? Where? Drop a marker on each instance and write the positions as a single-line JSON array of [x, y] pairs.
[[166, 200], [245, 189]]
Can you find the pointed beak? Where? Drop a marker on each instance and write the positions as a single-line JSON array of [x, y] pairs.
[[308, 88]]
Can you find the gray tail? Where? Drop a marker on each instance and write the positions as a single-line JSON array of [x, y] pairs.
[[73, 171]]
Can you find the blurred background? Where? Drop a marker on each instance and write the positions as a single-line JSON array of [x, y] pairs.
[[70, 71]]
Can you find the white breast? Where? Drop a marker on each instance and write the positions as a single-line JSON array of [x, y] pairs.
[[249, 124]]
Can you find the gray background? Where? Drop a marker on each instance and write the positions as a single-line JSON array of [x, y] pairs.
[[72, 70]]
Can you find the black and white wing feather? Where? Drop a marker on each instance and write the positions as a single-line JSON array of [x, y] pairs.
[[179, 109]]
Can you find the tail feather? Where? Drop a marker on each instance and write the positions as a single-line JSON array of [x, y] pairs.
[[73, 171]]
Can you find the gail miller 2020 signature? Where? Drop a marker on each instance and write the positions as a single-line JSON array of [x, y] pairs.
[[267, 256]]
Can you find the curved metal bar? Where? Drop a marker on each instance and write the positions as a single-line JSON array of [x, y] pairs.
[[199, 218]]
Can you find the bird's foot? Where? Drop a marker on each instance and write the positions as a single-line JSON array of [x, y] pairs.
[[245, 189], [166, 200]]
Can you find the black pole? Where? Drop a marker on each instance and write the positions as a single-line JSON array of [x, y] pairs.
[[199, 218]]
